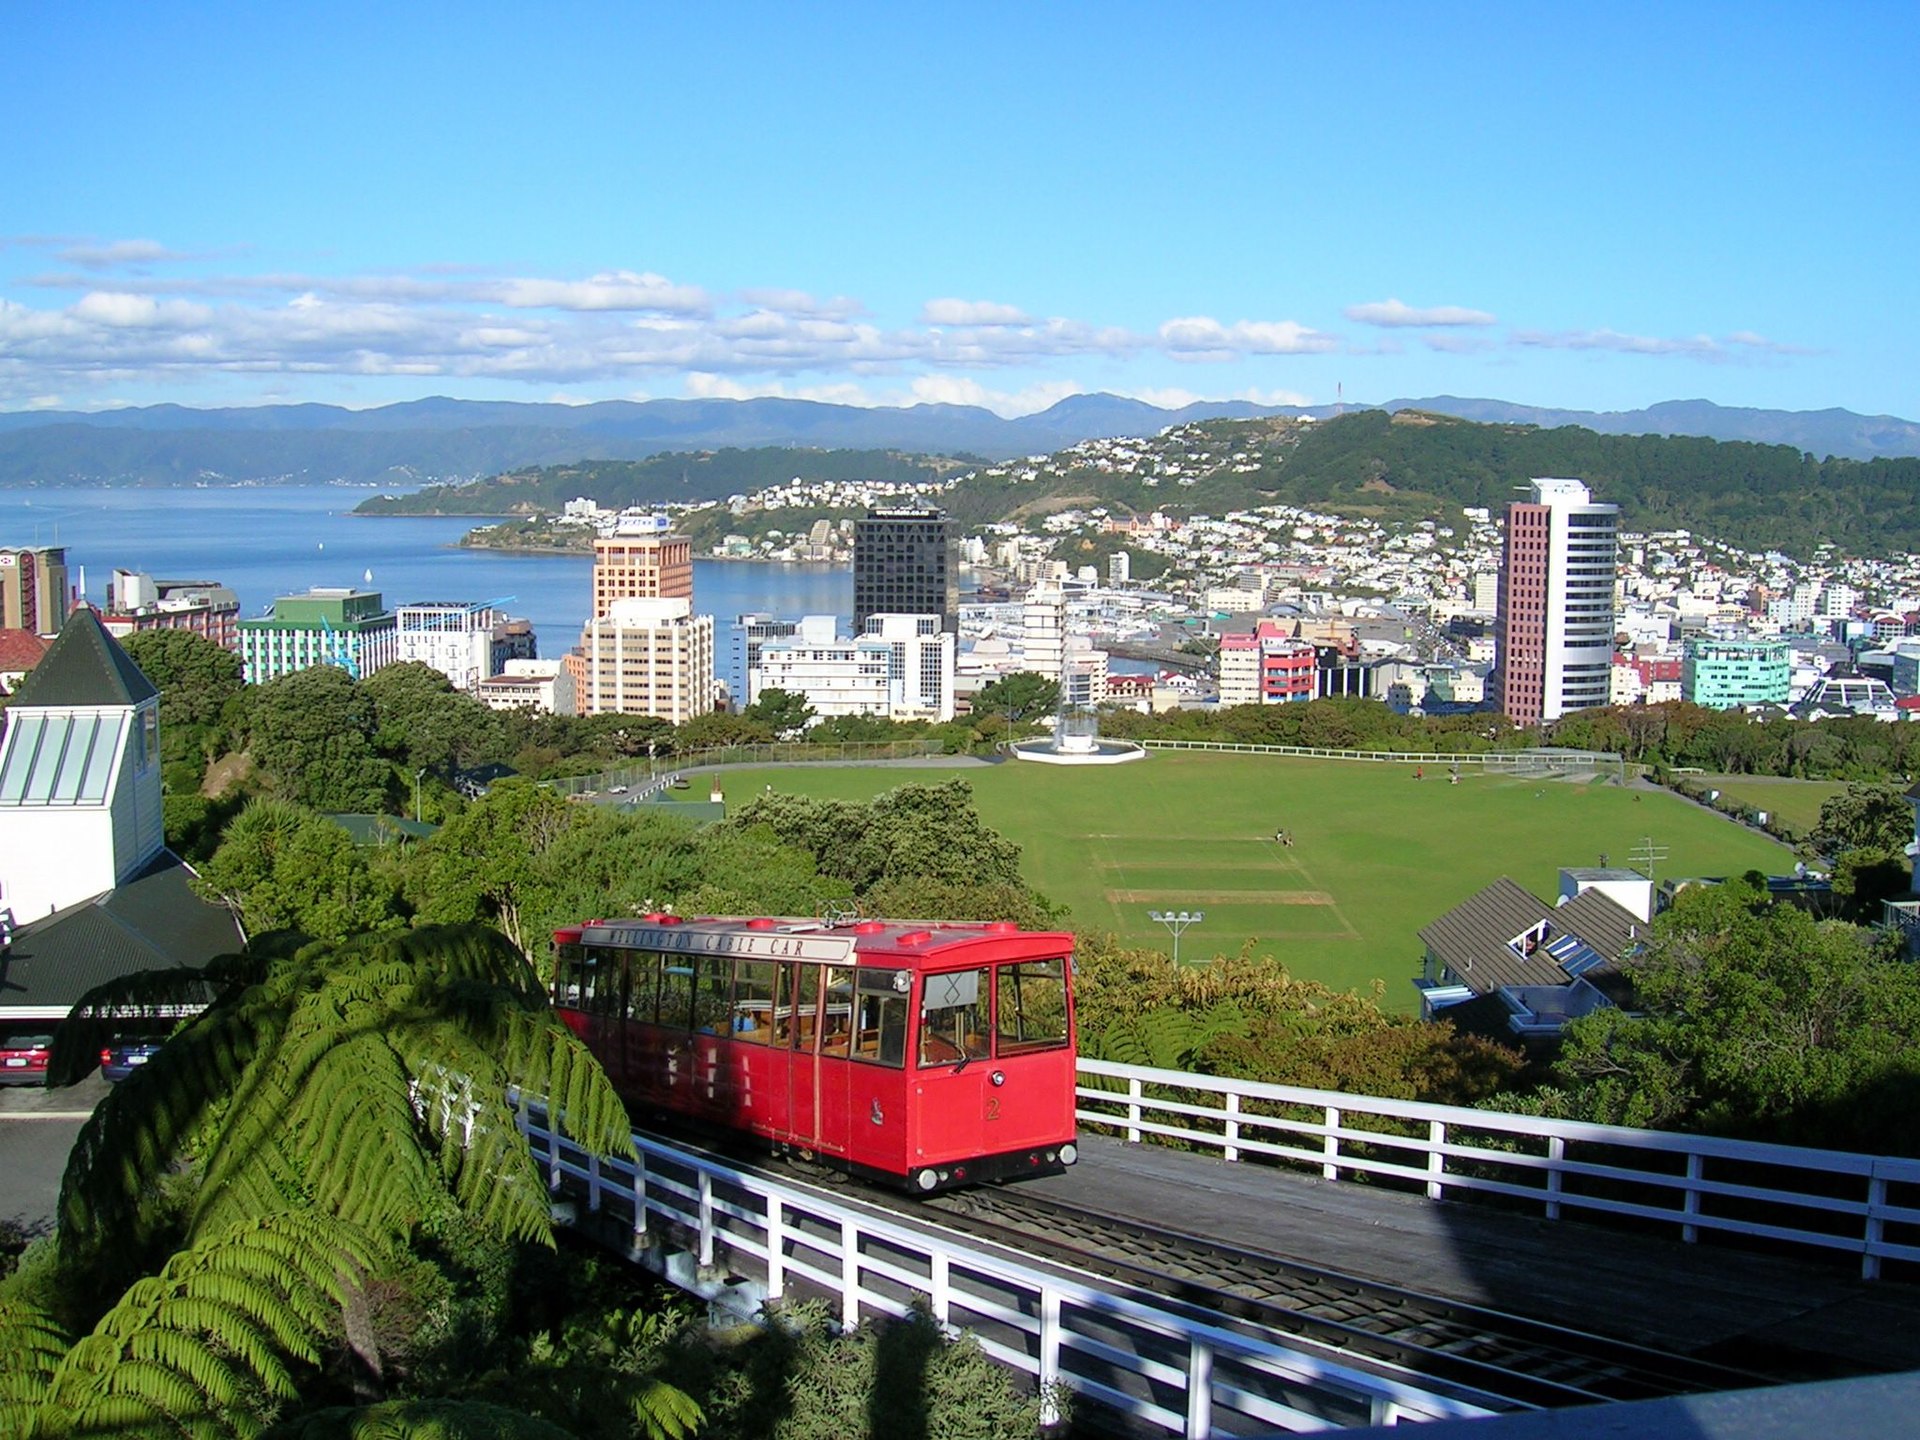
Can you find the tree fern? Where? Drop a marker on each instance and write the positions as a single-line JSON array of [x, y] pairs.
[[202, 1345], [32, 1344]]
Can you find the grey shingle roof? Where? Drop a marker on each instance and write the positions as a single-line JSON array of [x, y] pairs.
[[1472, 938], [153, 922], [84, 666]]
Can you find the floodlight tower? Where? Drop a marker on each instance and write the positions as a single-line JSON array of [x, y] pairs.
[[1177, 921]]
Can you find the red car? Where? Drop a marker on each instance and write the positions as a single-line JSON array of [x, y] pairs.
[[23, 1059], [927, 1055]]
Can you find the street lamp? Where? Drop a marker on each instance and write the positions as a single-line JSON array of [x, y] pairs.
[[1176, 921], [416, 792]]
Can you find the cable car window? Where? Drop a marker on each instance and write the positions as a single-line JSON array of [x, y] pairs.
[[567, 968], [753, 1001], [644, 968], [593, 980], [880, 1016], [1033, 1006], [796, 1018], [953, 1018], [676, 993], [713, 995], [836, 1013]]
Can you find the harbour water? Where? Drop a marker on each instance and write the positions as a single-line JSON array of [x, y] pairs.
[[268, 541]]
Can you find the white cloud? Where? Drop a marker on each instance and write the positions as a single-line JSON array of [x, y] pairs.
[[799, 302], [1395, 314], [1200, 337], [1752, 341], [115, 308], [609, 290], [1460, 344], [1697, 347], [116, 253], [959, 390], [971, 312]]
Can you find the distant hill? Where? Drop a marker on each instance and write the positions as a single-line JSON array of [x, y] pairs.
[[439, 439]]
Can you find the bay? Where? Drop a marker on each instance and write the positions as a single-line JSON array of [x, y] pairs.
[[264, 542]]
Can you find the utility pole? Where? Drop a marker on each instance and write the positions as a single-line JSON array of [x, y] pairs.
[[1647, 855]]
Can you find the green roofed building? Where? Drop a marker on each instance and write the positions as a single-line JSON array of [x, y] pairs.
[[1727, 674], [348, 628]]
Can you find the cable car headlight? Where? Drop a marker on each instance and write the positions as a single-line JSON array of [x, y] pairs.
[[903, 980]]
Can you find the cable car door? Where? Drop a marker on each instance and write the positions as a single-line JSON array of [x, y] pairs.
[[806, 1011], [956, 1101]]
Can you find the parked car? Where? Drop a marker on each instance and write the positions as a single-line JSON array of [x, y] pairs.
[[126, 1055], [23, 1059]]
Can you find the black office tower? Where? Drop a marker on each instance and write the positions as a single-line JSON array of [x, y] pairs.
[[903, 565]]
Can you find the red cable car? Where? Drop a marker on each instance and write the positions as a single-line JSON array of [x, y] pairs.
[[925, 1055]]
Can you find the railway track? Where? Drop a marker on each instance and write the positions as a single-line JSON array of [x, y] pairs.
[[1525, 1363]]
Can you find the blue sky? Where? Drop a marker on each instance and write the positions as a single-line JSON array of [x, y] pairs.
[[1595, 207]]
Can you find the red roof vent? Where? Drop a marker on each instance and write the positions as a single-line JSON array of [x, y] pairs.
[[762, 924], [916, 937], [868, 927], [1003, 927], [661, 918]]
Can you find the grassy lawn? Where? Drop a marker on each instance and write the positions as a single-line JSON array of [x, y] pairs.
[[1796, 802], [1376, 854]]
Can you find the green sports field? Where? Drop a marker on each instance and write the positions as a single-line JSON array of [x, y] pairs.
[[1376, 853]]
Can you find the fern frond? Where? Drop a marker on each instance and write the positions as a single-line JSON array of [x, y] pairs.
[[666, 1412], [216, 1327]]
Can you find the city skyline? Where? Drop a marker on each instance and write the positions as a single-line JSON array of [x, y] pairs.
[[1582, 209]]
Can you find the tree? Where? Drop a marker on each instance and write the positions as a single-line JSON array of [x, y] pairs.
[[311, 732], [921, 832], [281, 867], [489, 862], [422, 722], [1023, 695], [784, 714], [1753, 1019], [718, 730], [1875, 818], [334, 1114], [195, 677]]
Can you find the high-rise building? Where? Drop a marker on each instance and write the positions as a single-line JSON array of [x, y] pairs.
[[466, 643], [137, 602], [326, 626], [1556, 603], [1725, 674], [903, 565], [744, 639], [33, 589], [648, 657], [641, 560], [900, 668]]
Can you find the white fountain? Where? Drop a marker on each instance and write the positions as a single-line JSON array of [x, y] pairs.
[[1076, 741]]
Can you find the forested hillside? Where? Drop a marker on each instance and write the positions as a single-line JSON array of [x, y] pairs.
[[663, 480], [1410, 465]]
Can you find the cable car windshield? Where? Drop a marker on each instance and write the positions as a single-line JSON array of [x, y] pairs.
[[953, 1018]]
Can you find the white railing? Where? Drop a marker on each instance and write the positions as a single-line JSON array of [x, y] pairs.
[[1546, 759], [1835, 1200], [712, 1227]]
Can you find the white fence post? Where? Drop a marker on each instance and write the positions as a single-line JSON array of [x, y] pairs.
[[593, 1181], [1232, 1149], [1133, 1110], [1199, 1390], [1330, 1145], [940, 1287], [849, 1276], [639, 1196], [1876, 1227], [1049, 1354], [1696, 1165], [1556, 1156], [1436, 1160], [776, 1247], [706, 1218]]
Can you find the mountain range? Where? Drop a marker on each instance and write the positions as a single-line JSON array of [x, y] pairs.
[[441, 439]]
